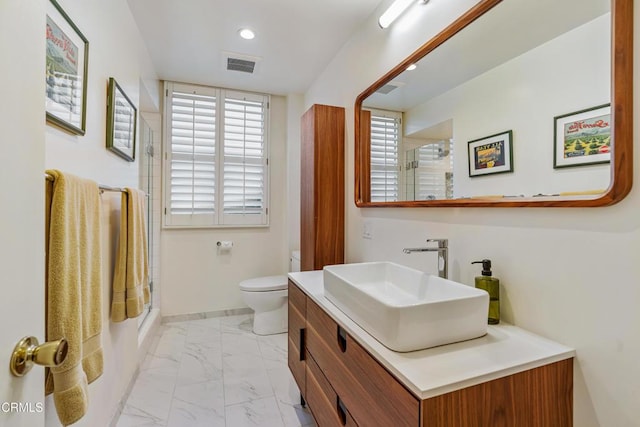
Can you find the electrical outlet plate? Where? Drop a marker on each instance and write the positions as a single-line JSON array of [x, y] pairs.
[[367, 230]]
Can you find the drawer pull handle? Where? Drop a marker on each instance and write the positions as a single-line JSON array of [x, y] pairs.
[[342, 411], [301, 341], [342, 339]]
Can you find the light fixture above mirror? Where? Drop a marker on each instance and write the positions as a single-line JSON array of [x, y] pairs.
[[441, 138], [396, 9]]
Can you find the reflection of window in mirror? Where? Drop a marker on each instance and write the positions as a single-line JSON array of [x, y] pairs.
[[434, 171], [386, 137], [431, 149]]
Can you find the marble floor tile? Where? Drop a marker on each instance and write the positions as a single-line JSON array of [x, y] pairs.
[[184, 414], [151, 395], [200, 362], [240, 321], [294, 415], [169, 365], [245, 388], [170, 346], [208, 394], [284, 386], [204, 331], [215, 372], [274, 348], [242, 365], [200, 404], [238, 345], [132, 417], [262, 413]]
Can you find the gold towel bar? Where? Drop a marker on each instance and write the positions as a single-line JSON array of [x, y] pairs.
[[102, 187]]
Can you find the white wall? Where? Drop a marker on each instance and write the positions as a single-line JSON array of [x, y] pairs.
[[567, 274], [196, 277], [115, 50], [524, 95]]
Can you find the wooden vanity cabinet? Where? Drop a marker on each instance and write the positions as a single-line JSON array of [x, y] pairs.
[[344, 385]]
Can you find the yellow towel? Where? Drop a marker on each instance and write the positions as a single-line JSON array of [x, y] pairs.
[[74, 290], [131, 276]]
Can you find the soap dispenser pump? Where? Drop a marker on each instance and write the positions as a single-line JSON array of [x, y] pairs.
[[492, 286]]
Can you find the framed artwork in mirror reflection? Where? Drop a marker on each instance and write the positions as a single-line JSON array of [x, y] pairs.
[[491, 154], [583, 137]]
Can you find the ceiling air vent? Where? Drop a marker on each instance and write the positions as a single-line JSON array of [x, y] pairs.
[[242, 63], [236, 64], [386, 89]]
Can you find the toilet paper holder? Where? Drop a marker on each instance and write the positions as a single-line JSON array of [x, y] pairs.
[[224, 244]]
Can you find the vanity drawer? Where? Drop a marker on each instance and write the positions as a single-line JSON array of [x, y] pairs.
[[373, 396], [326, 407], [296, 337], [297, 298], [296, 365]]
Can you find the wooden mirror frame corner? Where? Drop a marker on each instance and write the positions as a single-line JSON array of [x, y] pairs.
[[621, 111]]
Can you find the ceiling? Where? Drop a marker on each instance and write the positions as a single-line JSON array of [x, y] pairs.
[[295, 39]]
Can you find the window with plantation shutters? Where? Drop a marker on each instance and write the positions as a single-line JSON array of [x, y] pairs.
[[385, 147], [216, 162]]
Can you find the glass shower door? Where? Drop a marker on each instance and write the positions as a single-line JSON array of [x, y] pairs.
[[146, 184]]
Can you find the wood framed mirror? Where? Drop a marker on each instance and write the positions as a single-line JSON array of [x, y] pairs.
[[438, 139]]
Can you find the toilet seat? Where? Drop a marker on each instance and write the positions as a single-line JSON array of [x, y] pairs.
[[264, 284]]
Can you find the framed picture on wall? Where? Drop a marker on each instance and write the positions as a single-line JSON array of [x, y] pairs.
[[491, 154], [122, 117], [66, 71], [582, 137]]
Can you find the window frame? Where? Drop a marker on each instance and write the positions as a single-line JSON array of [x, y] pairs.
[[217, 219]]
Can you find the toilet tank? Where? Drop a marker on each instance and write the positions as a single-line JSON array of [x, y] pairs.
[[295, 261]]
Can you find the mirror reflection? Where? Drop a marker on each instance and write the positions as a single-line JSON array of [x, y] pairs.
[[539, 72]]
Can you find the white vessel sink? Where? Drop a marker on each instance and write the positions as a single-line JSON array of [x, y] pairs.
[[406, 309]]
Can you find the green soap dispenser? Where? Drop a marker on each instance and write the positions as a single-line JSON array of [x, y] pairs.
[[492, 286]]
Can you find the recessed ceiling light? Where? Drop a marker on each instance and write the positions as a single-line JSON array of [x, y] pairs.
[[246, 33], [412, 67]]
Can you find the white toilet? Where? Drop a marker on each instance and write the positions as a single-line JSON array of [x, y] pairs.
[[267, 296]]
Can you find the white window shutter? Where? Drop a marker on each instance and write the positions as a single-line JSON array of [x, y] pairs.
[[245, 157], [385, 146], [191, 156], [216, 171]]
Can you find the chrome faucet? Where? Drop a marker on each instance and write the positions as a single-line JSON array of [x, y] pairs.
[[443, 254]]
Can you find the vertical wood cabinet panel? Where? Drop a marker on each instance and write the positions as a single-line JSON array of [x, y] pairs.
[[538, 397], [322, 187]]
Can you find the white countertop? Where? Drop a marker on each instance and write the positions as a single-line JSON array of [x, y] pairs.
[[505, 350]]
